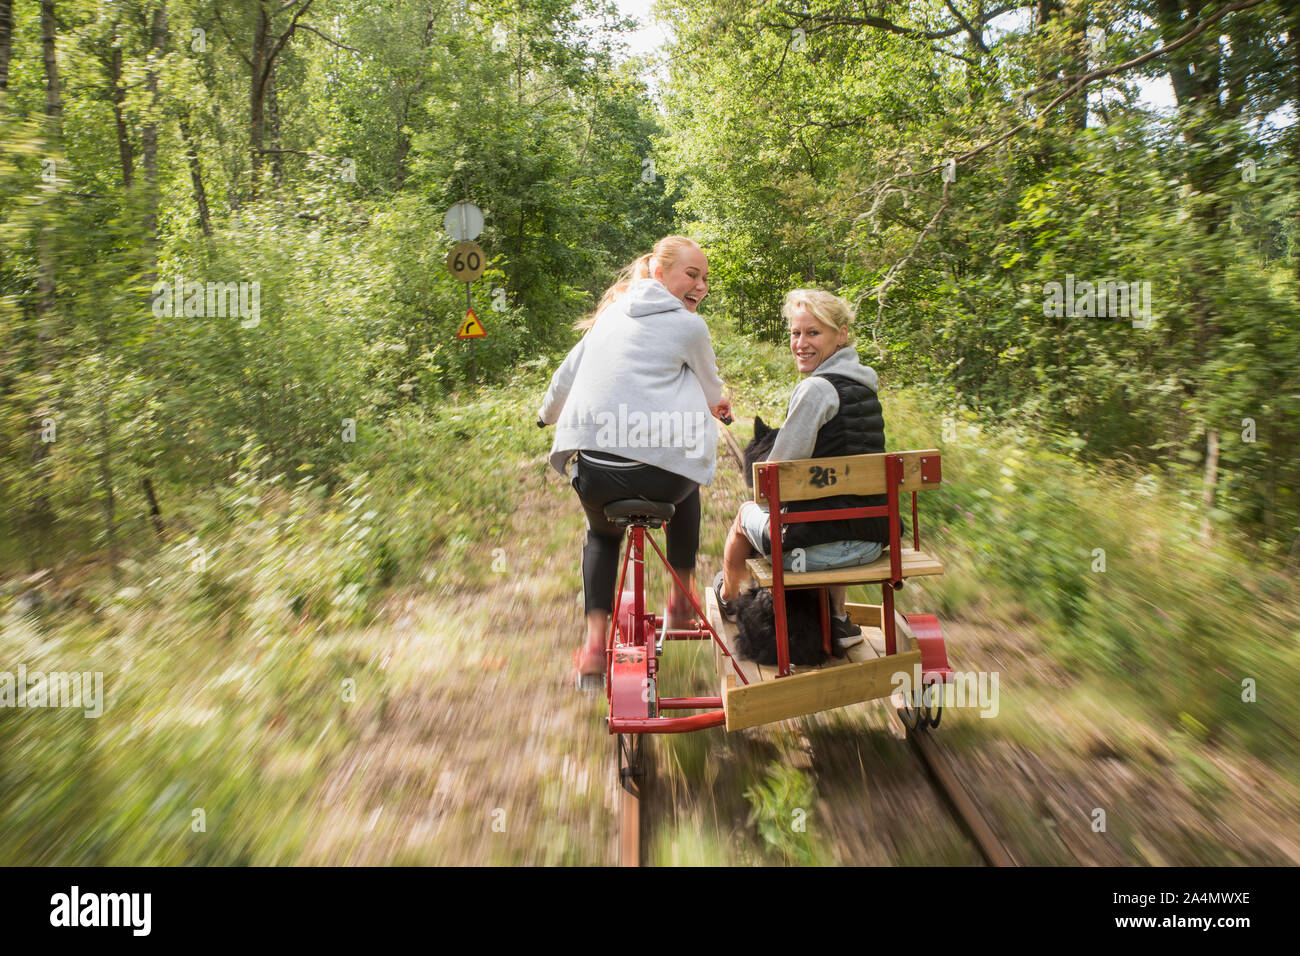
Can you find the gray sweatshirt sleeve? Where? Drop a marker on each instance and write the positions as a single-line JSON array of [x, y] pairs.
[[701, 360], [812, 405], [561, 383]]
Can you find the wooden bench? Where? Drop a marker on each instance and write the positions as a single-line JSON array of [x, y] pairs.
[[915, 564], [891, 474], [810, 478]]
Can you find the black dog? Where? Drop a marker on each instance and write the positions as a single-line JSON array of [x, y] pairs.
[[759, 447], [756, 639]]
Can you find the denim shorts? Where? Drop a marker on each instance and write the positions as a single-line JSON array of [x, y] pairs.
[[817, 557]]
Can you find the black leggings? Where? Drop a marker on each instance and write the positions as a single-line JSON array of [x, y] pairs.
[[609, 478]]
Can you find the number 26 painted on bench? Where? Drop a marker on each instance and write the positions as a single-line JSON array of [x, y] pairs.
[[821, 477]]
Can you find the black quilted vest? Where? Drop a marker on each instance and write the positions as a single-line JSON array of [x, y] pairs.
[[858, 428]]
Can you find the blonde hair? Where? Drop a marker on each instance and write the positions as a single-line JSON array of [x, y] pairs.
[[665, 254], [830, 310]]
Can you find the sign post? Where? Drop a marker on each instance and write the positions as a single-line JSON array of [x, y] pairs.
[[465, 262]]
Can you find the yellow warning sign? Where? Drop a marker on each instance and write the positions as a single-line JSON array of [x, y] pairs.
[[471, 328]]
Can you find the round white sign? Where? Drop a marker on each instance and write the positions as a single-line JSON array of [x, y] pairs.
[[464, 222]]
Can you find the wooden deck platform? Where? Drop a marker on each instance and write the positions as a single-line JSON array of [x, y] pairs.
[[865, 674]]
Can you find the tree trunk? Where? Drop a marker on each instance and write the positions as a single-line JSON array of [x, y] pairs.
[[273, 127], [54, 132], [261, 67], [257, 98], [40, 517], [196, 173], [149, 133], [1211, 481], [6, 40], [1205, 76], [155, 513], [53, 101], [124, 152]]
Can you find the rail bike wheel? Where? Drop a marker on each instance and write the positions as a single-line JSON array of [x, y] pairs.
[[911, 713], [631, 759], [932, 703]]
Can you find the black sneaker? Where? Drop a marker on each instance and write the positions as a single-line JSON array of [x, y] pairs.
[[727, 608], [846, 633]]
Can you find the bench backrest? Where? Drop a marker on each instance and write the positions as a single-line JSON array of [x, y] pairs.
[[806, 478]]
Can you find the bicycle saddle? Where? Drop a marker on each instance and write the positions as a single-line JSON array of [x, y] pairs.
[[652, 514]]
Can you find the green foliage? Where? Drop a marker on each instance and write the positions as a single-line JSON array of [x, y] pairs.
[[1112, 570], [331, 207], [225, 650], [782, 805], [810, 146]]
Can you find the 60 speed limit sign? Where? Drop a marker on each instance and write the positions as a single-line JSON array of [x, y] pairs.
[[466, 261]]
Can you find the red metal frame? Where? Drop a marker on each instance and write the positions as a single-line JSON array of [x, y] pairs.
[[633, 664], [769, 484]]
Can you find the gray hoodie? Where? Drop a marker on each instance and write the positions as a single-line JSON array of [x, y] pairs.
[[814, 402], [639, 384]]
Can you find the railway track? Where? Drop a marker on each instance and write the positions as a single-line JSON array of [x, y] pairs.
[[968, 815], [634, 760], [957, 798]]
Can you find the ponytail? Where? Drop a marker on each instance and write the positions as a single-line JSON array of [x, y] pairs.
[[666, 251]]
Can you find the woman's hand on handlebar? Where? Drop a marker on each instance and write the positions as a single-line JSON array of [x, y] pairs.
[[722, 412]]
